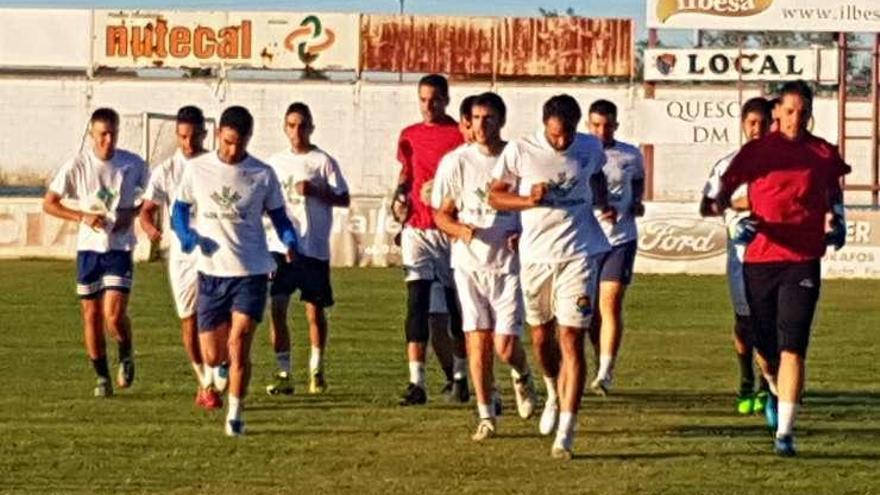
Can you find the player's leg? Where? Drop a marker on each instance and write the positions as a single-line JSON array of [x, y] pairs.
[[282, 285], [438, 244], [89, 272], [479, 353], [317, 293], [798, 296], [537, 286], [117, 268], [441, 339], [115, 306], [746, 400], [615, 272], [575, 288], [419, 267], [213, 316], [762, 289], [506, 302], [248, 296], [184, 285]]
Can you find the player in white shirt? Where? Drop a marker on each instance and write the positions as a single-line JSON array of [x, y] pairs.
[[555, 179], [756, 120], [164, 181], [625, 174], [313, 185], [104, 185], [484, 261], [228, 192]]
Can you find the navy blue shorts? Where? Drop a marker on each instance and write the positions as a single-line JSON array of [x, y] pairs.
[[617, 265], [309, 276], [219, 297], [97, 272]]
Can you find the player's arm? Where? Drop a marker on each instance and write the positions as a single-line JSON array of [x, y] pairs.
[[446, 218], [503, 198], [52, 206], [147, 219], [638, 206], [180, 215], [835, 230], [601, 203], [274, 207]]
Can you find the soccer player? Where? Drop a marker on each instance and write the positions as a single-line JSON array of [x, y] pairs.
[[445, 345], [105, 185], [425, 250], [625, 174], [484, 262], [755, 120], [229, 191], [554, 178], [774, 113], [797, 208], [313, 185], [160, 193]]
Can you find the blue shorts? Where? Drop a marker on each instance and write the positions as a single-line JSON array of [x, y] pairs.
[[219, 297], [617, 265], [97, 272]]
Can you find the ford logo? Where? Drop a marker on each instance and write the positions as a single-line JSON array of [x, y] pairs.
[[681, 238]]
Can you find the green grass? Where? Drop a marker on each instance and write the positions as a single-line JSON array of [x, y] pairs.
[[669, 428]]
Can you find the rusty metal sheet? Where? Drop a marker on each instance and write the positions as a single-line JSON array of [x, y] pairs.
[[479, 46], [564, 46], [450, 45]]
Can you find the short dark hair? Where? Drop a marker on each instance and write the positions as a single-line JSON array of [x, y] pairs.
[[192, 115], [437, 82], [774, 102], [238, 118], [464, 110], [758, 105], [106, 115], [799, 88], [604, 108], [301, 109], [565, 108], [493, 101]]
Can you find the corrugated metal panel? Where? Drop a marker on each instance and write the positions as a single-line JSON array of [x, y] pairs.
[[564, 46]]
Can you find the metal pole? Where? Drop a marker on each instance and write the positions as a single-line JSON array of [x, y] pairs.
[[841, 94], [400, 26], [875, 139]]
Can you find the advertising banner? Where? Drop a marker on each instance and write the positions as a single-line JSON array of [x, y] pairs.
[[44, 38], [741, 65], [256, 40], [766, 15]]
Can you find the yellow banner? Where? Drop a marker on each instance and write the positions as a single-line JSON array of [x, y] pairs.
[[723, 8]]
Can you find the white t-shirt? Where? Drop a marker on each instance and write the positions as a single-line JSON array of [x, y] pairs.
[[162, 189], [624, 165], [229, 202], [104, 187], [312, 217], [713, 187], [563, 228], [464, 176]]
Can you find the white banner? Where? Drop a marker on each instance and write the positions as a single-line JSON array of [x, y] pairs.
[[45, 38], [713, 121], [746, 65], [283, 40], [766, 15]]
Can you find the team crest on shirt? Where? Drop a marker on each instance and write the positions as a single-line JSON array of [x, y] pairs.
[[227, 198], [584, 305], [290, 192], [562, 186], [103, 199]]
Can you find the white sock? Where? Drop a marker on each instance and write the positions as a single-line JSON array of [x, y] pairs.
[[565, 430], [459, 368], [550, 382], [519, 373], [787, 411], [316, 359], [208, 376], [606, 361], [417, 373], [200, 373], [283, 360], [235, 406], [771, 382], [486, 411]]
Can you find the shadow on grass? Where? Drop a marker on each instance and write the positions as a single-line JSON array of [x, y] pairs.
[[633, 456]]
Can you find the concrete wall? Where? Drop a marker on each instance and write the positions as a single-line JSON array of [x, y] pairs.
[[42, 121]]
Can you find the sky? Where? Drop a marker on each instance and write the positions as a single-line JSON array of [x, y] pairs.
[[588, 8]]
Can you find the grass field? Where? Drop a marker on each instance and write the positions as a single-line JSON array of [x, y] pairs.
[[669, 428]]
